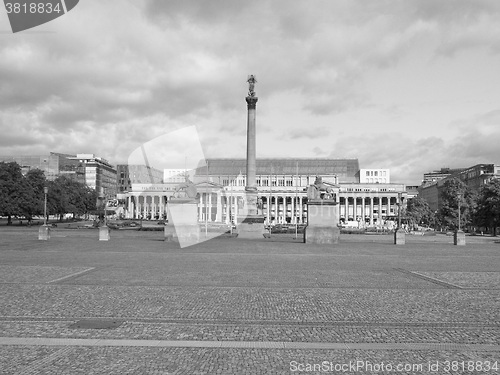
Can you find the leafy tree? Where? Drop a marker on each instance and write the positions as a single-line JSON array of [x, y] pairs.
[[11, 190], [454, 194], [68, 196], [418, 211], [33, 195], [488, 206]]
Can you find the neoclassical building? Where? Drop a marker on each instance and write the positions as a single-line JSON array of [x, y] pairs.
[[281, 185]]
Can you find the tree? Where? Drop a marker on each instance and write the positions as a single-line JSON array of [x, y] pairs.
[[419, 212], [11, 190], [455, 196], [488, 206], [69, 196], [33, 195]]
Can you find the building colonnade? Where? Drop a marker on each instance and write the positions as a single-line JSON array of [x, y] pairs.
[[220, 205]]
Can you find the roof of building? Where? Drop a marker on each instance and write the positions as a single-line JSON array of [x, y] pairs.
[[288, 166]]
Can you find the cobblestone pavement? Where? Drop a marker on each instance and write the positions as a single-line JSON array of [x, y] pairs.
[[364, 291]]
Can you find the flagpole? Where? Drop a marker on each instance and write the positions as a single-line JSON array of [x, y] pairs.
[[296, 198], [206, 213], [270, 200]]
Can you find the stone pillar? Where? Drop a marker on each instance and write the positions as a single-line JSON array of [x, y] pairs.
[[363, 211], [200, 208], [355, 208], [209, 207], [218, 213], [371, 211], [251, 185], [252, 225]]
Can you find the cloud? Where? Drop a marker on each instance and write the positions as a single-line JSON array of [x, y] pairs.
[[114, 75]]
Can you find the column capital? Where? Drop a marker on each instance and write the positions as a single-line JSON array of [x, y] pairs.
[[251, 101]]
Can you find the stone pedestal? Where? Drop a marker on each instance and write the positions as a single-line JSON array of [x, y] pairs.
[[459, 238], [104, 233], [251, 227], [44, 233], [183, 224], [169, 233], [250, 223], [322, 220], [399, 237]]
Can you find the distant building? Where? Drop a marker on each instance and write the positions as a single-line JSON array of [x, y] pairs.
[[432, 177], [282, 191], [129, 175], [97, 173], [374, 176], [411, 191], [474, 177], [52, 164]]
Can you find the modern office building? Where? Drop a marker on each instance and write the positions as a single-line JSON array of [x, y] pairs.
[[97, 173], [373, 176], [52, 164], [474, 177]]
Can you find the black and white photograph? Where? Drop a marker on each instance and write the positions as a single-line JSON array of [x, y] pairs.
[[249, 187]]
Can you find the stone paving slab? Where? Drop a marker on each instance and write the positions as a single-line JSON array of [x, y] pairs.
[[304, 305], [471, 280], [240, 307], [37, 341], [38, 274], [246, 331], [189, 360]]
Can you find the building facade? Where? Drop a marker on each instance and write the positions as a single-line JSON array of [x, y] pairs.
[[474, 177], [97, 173], [374, 176], [52, 164], [282, 192]]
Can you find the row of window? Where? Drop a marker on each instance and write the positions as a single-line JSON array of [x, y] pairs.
[[376, 173]]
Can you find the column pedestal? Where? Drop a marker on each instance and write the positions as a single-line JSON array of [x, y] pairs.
[[459, 238], [44, 233], [322, 220], [183, 226], [104, 233], [250, 224], [399, 237]]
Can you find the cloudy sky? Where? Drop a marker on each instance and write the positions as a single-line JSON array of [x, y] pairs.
[[408, 85]]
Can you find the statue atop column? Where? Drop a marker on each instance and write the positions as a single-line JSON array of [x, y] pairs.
[[251, 85]]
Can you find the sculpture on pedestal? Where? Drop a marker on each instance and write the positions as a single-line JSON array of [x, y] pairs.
[[320, 191], [186, 190]]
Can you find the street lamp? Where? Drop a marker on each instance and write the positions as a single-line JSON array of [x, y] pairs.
[[43, 231], [399, 235], [45, 192], [459, 236]]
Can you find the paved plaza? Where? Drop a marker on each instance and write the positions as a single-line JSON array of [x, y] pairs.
[[139, 305]]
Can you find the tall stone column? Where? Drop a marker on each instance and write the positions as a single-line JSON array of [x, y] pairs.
[[251, 185], [252, 224]]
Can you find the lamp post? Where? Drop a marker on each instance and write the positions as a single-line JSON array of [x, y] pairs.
[[45, 192], [43, 231], [103, 227], [459, 235], [399, 235]]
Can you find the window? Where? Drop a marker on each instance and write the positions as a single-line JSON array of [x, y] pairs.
[[376, 173], [367, 173]]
